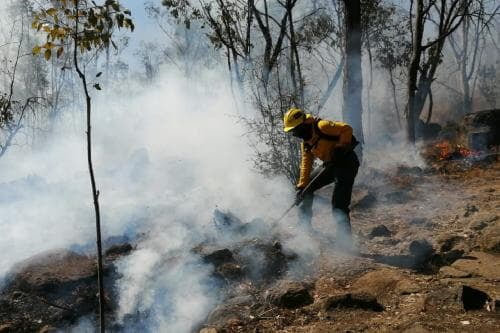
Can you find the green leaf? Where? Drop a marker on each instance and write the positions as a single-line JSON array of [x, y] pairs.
[[51, 11], [36, 50], [97, 86]]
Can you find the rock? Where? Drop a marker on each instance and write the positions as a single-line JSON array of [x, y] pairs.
[[6, 328], [208, 330], [490, 240], [444, 298], [407, 170], [47, 271], [379, 231], [241, 300], [482, 128], [421, 222], [352, 301], [473, 299], [470, 209], [378, 283], [263, 260], [421, 249], [119, 250], [493, 306], [222, 314], [289, 295], [219, 257], [450, 272], [226, 221], [399, 197], [446, 258], [479, 263], [17, 294], [47, 329], [478, 225], [53, 288], [407, 287], [368, 200], [229, 270], [447, 242]]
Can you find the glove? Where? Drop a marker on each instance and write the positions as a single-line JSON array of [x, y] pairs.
[[299, 196]]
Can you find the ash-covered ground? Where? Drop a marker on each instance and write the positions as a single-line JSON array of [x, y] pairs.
[[427, 260]]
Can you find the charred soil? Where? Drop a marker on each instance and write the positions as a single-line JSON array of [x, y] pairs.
[[427, 259]]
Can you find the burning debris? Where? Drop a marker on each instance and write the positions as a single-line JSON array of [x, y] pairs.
[[449, 151]]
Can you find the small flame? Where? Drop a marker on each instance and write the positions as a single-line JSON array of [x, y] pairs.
[[447, 151]]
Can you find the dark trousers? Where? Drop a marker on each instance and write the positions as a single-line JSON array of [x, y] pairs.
[[342, 173]]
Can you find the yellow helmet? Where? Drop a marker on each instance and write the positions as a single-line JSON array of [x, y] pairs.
[[293, 118]]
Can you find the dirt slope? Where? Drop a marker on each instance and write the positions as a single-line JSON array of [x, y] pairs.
[[428, 260]]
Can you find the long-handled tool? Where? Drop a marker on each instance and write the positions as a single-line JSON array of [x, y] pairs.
[[304, 192]]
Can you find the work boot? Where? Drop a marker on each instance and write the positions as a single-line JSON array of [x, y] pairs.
[[344, 233]]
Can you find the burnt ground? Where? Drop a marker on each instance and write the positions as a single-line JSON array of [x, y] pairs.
[[427, 260]]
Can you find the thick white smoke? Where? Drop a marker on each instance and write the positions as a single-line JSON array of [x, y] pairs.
[[165, 157]]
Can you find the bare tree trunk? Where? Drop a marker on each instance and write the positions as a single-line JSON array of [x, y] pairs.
[[353, 80], [369, 90], [467, 103], [331, 85], [394, 97], [431, 106], [95, 192], [411, 112]]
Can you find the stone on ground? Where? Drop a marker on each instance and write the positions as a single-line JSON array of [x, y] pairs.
[[289, 294]]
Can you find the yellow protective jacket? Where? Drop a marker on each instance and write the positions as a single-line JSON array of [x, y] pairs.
[[335, 134]]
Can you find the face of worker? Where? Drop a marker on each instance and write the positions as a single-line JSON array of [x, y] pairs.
[[303, 131]]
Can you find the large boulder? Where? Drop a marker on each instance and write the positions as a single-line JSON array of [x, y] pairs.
[[482, 129], [479, 264], [50, 271], [378, 283], [55, 288]]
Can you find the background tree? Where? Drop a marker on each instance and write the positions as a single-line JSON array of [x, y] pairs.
[[186, 46], [468, 46], [426, 57], [270, 49], [353, 77], [489, 84], [23, 80], [81, 26]]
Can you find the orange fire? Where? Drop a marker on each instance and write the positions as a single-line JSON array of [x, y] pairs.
[[447, 151]]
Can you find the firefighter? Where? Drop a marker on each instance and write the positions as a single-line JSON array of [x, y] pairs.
[[333, 143]]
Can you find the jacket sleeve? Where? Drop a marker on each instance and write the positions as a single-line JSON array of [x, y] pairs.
[[306, 164], [337, 128]]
